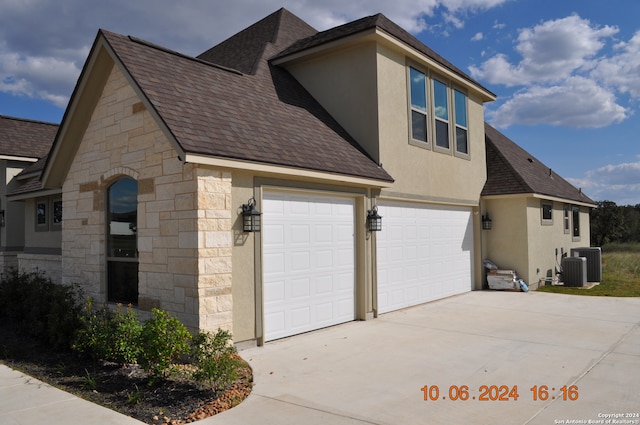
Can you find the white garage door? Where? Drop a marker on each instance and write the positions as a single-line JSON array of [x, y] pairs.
[[424, 253], [309, 265]]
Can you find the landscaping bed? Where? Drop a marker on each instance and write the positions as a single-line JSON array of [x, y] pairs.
[[125, 389]]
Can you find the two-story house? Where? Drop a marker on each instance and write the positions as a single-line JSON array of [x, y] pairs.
[[165, 161]]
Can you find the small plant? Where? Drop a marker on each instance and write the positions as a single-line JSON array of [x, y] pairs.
[[215, 359], [162, 341], [89, 381], [134, 397]]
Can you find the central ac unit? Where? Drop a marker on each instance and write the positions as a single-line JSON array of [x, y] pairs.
[[574, 271], [594, 262]]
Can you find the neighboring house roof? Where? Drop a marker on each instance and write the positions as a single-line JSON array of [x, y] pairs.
[[28, 181], [211, 111], [512, 170], [370, 22], [27, 139]]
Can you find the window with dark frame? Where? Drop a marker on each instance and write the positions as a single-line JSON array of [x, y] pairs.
[[576, 221], [122, 241], [547, 212], [567, 219]]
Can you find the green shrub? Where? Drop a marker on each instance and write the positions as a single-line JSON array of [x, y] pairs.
[[47, 311], [162, 341], [214, 359], [109, 335]]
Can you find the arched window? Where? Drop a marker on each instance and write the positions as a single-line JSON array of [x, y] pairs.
[[122, 241]]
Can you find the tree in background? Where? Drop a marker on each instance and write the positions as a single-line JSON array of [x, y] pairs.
[[608, 224]]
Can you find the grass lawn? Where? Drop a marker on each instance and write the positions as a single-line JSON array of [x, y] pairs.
[[620, 276]]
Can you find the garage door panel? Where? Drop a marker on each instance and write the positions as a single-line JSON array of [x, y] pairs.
[[313, 242], [423, 253]]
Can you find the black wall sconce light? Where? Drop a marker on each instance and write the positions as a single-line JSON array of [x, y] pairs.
[[374, 220], [486, 222], [1, 218], [251, 220]]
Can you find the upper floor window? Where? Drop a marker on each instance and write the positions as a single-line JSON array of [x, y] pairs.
[[438, 112], [441, 114], [567, 219], [460, 109], [418, 93]]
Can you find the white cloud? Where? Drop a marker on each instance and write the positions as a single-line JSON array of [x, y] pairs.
[[575, 102], [619, 183], [550, 51], [564, 76], [38, 35], [622, 70], [477, 36]]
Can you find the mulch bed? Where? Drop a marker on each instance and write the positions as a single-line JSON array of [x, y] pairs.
[[128, 390]]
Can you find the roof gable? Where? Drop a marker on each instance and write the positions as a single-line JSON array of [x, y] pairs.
[[371, 22], [23, 138], [244, 50], [267, 117], [512, 170]]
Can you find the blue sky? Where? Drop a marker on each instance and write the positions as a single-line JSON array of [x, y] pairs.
[[566, 72]]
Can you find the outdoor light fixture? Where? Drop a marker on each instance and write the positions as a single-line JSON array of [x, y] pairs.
[[251, 217], [486, 222], [374, 221]]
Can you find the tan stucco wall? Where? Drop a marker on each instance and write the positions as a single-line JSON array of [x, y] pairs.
[[418, 171], [184, 217], [344, 82], [520, 241], [38, 240], [506, 244]]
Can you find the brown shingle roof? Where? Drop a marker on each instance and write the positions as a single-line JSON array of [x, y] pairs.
[[512, 170], [375, 21], [244, 50], [267, 117], [25, 138]]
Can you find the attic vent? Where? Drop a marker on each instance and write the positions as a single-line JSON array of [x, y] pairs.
[[530, 160]]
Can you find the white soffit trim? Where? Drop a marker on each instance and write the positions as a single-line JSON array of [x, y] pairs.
[[18, 158], [278, 169]]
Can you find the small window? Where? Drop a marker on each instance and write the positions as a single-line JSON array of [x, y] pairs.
[[460, 109], [576, 222], [567, 219], [56, 214], [42, 222], [441, 114], [547, 213], [418, 93]]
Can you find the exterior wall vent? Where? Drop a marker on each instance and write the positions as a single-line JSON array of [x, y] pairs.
[[574, 271], [594, 262]]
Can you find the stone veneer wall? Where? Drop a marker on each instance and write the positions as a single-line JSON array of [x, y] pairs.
[[51, 265], [184, 216]]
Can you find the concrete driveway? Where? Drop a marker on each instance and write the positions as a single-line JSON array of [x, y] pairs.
[[374, 372]]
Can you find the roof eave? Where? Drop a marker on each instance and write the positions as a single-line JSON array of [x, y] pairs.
[[541, 196], [286, 170]]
